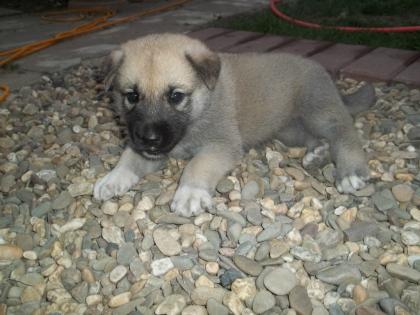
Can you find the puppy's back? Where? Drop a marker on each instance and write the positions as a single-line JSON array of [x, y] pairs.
[[266, 89]]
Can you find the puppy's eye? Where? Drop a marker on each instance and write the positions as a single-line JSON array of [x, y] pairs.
[[132, 97], [175, 97]]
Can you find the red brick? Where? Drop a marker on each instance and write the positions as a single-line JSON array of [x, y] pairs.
[[228, 40], [380, 64], [410, 75], [339, 55], [304, 47], [262, 44], [208, 33]]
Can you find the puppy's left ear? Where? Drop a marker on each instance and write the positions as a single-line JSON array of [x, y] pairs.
[[110, 67], [207, 64]]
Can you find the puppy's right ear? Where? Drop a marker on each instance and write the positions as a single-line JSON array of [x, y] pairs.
[[111, 65], [207, 66]]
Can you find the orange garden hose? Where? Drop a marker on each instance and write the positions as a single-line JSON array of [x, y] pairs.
[[5, 91], [395, 29], [94, 25]]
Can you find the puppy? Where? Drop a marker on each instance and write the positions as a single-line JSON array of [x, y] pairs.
[[179, 99]]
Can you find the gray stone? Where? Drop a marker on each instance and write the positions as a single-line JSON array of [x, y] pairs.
[[229, 276], [359, 230], [216, 308], [335, 309], [280, 281], [166, 243], [63, 200], [300, 301], [388, 305], [183, 262], [414, 133], [137, 267], [172, 305], [328, 238], [80, 292], [410, 237], [7, 182], [201, 295], [224, 186], [384, 200], [250, 190], [273, 231], [262, 251], [247, 265], [32, 279], [339, 274], [263, 301], [403, 272], [126, 253], [70, 278], [113, 234], [234, 231], [172, 218], [306, 253], [229, 215], [213, 237], [253, 213], [208, 254]]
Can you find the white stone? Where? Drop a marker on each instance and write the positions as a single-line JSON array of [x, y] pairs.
[[161, 266], [118, 273]]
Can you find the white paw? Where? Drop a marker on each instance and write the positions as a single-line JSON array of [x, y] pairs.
[[189, 201], [319, 154], [115, 183], [350, 184]]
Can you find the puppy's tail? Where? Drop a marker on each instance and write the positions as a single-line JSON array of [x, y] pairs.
[[360, 100]]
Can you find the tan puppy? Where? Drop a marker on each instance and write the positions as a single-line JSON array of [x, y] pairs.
[[182, 100]]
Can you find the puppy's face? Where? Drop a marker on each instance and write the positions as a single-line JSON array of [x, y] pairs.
[[163, 83]]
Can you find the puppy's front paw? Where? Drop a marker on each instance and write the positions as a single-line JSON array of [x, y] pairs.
[[349, 184], [115, 183], [189, 201]]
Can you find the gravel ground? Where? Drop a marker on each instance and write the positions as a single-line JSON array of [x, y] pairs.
[[280, 239]]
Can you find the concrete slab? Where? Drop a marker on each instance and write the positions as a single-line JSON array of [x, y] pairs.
[[14, 31], [207, 33], [304, 47], [17, 79], [8, 12], [381, 64], [338, 56], [410, 75]]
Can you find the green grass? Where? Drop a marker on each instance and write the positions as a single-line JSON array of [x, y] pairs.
[[339, 12]]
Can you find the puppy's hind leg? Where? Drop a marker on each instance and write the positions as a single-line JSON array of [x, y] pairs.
[[130, 169], [295, 134], [325, 115]]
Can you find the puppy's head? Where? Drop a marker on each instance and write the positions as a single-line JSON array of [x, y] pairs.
[[162, 83]]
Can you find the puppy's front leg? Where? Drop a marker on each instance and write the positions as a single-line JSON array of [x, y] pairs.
[[130, 169], [200, 178]]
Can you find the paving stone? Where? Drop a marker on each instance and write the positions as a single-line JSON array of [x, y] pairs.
[[303, 47], [339, 55], [380, 64], [228, 40], [410, 75], [262, 44], [207, 33]]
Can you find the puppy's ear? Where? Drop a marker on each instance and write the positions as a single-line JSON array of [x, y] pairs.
[[207, 65], [111, 66]]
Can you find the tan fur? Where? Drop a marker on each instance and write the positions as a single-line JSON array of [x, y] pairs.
[[252, 98]]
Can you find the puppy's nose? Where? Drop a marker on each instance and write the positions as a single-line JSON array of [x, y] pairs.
[[151, 136]]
